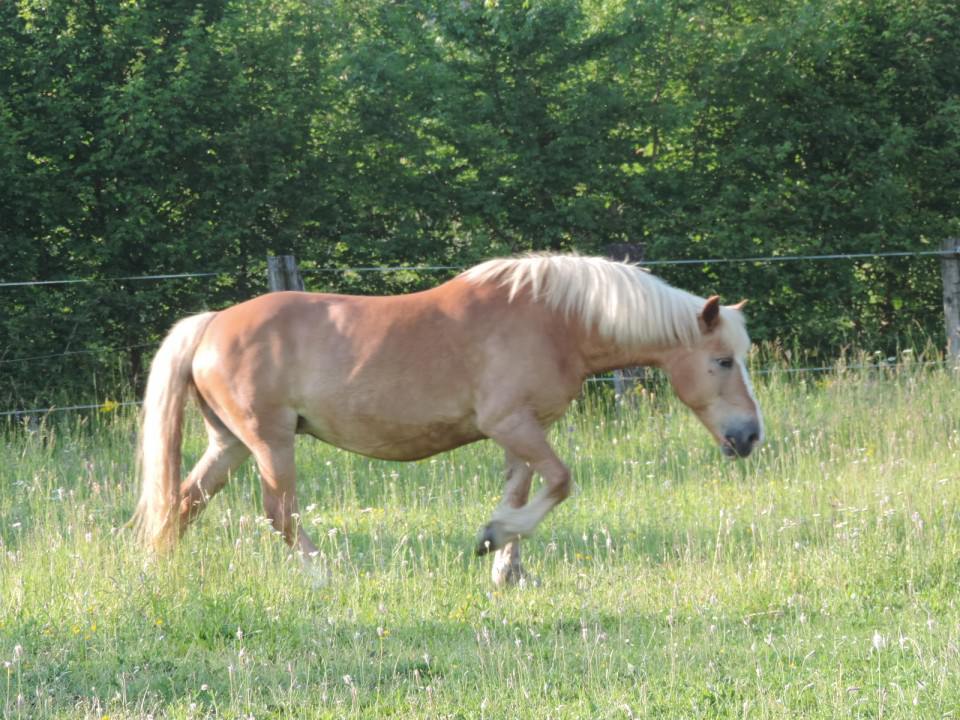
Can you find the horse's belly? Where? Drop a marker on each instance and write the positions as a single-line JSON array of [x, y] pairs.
[[387, 440]]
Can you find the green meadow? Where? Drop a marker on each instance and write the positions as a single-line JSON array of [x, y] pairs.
[[819, 578]]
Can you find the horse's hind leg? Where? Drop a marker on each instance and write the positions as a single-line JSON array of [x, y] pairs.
[[506, 561], [278, 479], [223, 454]]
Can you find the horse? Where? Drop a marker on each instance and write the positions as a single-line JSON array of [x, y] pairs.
[[499, 352]]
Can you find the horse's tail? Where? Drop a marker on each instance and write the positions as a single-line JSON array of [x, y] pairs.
[[156, 518]]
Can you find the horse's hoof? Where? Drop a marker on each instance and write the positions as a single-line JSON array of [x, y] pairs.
[[318, 578], [487, 542], [512, 574], [316, 570]]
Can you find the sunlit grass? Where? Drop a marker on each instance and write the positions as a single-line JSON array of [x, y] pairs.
[[816, 579]]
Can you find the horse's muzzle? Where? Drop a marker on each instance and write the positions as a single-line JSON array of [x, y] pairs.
[[740, 441]]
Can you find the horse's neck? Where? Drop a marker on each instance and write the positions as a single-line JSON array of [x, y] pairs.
[[602, 354]]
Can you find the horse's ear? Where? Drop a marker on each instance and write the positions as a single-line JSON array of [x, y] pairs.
[[740, 305], [710, 315]]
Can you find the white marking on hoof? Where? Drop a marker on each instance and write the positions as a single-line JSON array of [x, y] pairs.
[[508, 570]]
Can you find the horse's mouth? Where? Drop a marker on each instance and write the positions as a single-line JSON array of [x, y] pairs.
[[733, 448]]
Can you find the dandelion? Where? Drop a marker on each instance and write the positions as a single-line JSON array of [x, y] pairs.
[[879, 642], [109, 406]]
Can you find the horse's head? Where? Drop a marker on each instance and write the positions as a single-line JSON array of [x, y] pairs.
[[710, 376]]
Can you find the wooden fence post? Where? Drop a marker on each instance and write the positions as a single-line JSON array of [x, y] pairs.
[[283, 273], [950, 273]]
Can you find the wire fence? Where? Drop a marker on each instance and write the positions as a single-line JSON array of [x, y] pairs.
[[126, 278], [888, 366], [756, 260], [67, 353], [109, 405], [759, 260]]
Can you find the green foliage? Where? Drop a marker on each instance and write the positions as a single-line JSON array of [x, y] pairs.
[[139, 137]]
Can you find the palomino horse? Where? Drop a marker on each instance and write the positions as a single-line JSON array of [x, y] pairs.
[[498, 352]]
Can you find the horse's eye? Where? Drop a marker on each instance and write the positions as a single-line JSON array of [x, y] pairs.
[[725, 363]]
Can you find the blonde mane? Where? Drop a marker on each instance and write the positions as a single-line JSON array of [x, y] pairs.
[[624, 302]]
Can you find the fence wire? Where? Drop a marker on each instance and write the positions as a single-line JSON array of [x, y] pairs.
[[128, 278], [759, 260], [888, 366]]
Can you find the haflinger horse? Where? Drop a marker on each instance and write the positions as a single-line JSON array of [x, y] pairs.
[[498, 352]]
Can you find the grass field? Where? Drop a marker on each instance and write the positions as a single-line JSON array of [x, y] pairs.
[[818, 579]]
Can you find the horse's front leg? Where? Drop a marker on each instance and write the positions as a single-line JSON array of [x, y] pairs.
[[507, 568], [521, 435]]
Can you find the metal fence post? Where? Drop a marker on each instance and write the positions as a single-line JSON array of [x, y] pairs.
[[950, 273], [283, 273]]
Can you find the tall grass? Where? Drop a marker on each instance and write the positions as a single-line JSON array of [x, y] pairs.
[[816, 579]]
